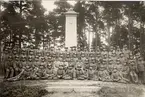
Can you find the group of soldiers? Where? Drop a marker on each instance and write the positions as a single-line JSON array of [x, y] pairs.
[[117, 65]]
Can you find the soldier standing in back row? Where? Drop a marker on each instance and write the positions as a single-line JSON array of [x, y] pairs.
[[141, 69], [133, 72]]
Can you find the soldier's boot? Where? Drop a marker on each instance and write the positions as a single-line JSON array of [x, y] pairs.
[[7, 73], [11, 72]]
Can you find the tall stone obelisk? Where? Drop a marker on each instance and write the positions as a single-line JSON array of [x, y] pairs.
[[71, 28]]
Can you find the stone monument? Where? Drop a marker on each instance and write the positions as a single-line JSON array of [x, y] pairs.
[[71, 28]]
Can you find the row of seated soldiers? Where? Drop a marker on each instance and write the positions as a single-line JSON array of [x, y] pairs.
[[88, 69], [116, 65]]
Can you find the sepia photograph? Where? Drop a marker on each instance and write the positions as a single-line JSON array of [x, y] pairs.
[[72, 48]]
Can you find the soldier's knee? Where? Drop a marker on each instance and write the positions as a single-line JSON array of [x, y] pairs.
[[7, 70]]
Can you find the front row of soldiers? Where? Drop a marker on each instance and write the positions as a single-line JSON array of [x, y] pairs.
[[131, 71]]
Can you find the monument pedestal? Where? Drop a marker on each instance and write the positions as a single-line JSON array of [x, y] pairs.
[[71, 29]]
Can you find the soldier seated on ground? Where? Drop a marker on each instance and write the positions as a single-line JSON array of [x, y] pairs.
[[9, 70], [110, 66], [125, 71], [103, 74], [49, 72], [117, 76], [69, 74], [17, 68], [41, 72], [60, 72], [80, 73], [33, 75], [91, 73]]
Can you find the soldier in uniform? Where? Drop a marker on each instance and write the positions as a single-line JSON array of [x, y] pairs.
[[133, 70], [141, 69], [49, 72], [125, 71], [118, 51], [103, 74], [117, 76], [91, 72], [60, 72], [118, 65], [126, 52], [41, 72], [110, 66], [69, 74], [9, 68], [17, 66], [80, 73], [34, 74]]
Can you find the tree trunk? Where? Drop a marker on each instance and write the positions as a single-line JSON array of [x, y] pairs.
[[129, 29], [0, 59], [20, 33], [109, 36], [96, 38]]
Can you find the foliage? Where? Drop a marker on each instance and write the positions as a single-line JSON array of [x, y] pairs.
[[25, 22]]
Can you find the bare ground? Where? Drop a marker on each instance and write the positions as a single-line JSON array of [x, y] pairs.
[[75, 88]]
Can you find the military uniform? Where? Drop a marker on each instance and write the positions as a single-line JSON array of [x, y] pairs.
[[91, 73], [133, 74], [103, 74], [117, 76], [110, 67], [60, 72], [9, 68], [69, 74], [125, 71], [49, 72], [80, 73], [141, 69]]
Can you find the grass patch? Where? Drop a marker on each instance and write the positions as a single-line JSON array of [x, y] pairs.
[[119, 92], [22, 91]]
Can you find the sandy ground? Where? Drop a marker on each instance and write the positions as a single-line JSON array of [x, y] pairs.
[[77, 88]]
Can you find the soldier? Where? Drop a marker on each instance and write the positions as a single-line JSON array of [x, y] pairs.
[[118, 51], [69, 74], [110, 66], [118, 65], [9, 71], [17, 66], [80, 73], [125, 71], [36, 60], [49, 72], [91, 72], [34, 74], [27, 73], [133, 70], [114, 56], [65, 64], [60, 72], [126, 52], [122, 59], [117, 76], [74, 56], [41, 72], [103, 74], [141, 69]]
